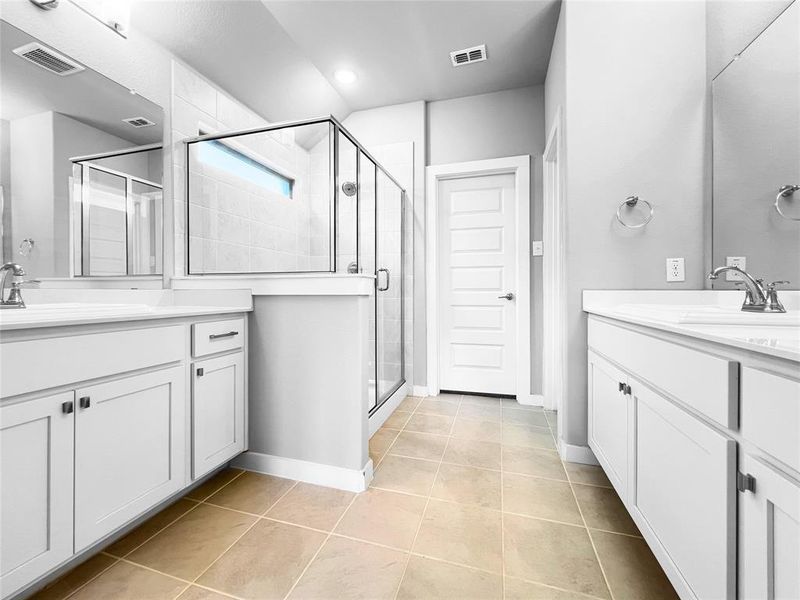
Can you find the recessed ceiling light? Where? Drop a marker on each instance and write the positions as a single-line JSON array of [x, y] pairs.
[[345, 76]]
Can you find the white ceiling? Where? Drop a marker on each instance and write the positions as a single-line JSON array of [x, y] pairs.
[[400, 50], [279, 57]]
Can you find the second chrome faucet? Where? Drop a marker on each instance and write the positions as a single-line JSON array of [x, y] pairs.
[[757, 297]]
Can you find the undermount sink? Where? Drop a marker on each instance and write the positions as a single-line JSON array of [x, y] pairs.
[[709, 315]]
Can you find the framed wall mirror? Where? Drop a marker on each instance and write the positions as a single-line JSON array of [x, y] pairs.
[[81, 167], [756, 157]]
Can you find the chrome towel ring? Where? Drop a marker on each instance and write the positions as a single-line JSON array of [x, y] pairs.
[[785, 191], [630, 202]]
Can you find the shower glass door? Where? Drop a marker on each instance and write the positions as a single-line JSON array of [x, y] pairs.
[[389, 287]]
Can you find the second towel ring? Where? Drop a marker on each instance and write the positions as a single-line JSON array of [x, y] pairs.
[[630, 202], [784, 192]]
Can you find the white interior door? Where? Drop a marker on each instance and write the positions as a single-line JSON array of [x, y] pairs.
[[477, 287]]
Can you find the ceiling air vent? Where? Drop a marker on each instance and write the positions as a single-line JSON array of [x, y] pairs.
[[468, 55], [139, 122], [49, 59]]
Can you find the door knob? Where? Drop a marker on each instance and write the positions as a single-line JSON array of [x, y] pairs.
[[508, 296]]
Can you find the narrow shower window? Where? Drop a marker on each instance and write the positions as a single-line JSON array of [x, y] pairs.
[[223, 156]]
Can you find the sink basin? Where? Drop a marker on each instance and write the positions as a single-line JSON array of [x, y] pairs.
[[709, 315]]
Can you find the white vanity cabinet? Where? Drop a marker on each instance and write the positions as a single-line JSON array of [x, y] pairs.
[[702, 443], [100, 424], [129, 449], [36, 483]]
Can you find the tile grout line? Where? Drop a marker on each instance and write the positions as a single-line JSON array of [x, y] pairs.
[[181, 579], [88, 581], [425, 508], [253, 524], [120, 558], [321, 546], [502, 509], [591, 540]]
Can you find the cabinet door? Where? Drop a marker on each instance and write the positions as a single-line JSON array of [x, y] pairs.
[[769, 535], [129, 449], [36, 439], [685, 492], [217, 412], [608, 420]]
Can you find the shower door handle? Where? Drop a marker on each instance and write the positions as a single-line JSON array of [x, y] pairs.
[[388, 277]]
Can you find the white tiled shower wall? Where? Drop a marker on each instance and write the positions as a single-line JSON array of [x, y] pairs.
[[237, 226]]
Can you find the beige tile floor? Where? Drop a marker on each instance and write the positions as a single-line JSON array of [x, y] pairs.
[[469, 500]]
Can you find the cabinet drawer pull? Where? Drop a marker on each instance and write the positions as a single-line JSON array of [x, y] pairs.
[[68, 407], [85, 402], [216, 336], [200, 372], [627, 390], [745, 482], [621, 387]]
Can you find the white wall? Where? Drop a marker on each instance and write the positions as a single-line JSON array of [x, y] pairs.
[[634, 99], [507, 123]]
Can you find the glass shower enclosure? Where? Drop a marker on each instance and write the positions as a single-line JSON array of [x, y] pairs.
[[302, 197]]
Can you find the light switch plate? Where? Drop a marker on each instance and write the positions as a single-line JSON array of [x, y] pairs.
[[735, 261], [675, 270], [537, 248]]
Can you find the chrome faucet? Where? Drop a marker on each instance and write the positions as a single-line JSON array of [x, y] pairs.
[[757, 298], [15, 294]]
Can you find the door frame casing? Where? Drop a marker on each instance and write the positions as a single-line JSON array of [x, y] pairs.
[[554, 344], [519, 166]]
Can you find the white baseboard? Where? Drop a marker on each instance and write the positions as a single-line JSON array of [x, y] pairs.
[[530, 399], [576, 454], [352, 480], [378, 418], [420, 391]]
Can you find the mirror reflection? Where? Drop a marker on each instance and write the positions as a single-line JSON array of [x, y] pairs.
[[81, 167], [756, 157]]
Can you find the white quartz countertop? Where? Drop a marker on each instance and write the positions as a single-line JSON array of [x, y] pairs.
[[706, 315], [50, 309]]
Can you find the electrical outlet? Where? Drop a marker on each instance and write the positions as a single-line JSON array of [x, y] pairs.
[[675, 270], [537, 248], [735, 261]]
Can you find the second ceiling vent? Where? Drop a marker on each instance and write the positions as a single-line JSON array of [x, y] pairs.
[[468, 55], [48, 59]]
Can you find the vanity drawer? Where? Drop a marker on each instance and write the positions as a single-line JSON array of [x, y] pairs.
[[707, 383], [33, 365], [771, 414], [217, 336]]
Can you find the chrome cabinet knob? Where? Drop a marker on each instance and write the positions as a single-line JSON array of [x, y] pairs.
[[508, 296]]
